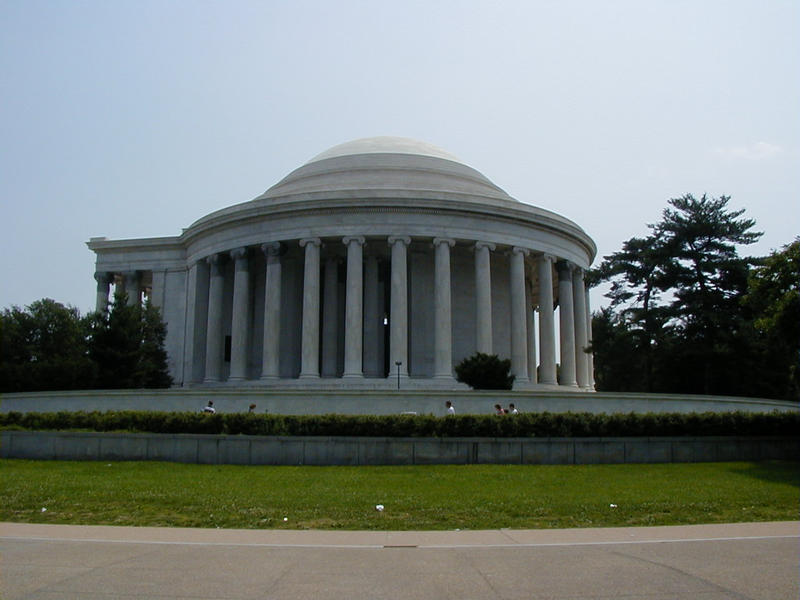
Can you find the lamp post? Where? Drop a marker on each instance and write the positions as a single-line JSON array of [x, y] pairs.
[[397, 364]]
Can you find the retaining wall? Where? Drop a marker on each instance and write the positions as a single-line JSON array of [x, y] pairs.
[[268, 450], [314, 401]]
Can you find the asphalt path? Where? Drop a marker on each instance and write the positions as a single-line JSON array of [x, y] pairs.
[[706, 562]]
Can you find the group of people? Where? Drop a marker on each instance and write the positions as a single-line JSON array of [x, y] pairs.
[[209, 408], [498, 410], [449, 408]]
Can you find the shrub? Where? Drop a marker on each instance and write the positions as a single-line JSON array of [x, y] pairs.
[[543, 424], [485, 372]]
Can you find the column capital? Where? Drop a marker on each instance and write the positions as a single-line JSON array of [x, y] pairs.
[[273, 248], [564, 266], [358, 239], [314, 241], [440, 240], [103, 277], [482, 245], [238, 253], [578, 272], [404, 239], [214, 259], [547, 258], [519, 250]]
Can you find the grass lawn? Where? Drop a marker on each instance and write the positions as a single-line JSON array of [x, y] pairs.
[[415, 498]]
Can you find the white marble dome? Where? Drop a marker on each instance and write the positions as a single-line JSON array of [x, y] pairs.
[[384, 166]]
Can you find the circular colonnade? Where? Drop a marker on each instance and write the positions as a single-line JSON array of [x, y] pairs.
[[379, 260]]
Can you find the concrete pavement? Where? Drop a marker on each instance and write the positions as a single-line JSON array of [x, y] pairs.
[[712, 562]]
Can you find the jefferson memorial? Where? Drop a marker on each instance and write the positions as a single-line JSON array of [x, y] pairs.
[[380, 261]]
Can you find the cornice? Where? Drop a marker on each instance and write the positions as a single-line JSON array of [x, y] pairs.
[[511, 212]]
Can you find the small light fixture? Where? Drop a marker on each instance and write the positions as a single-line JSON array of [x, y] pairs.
[[397, 364]]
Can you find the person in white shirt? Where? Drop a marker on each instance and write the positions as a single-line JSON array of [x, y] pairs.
[[513, 409], [450, 408], [209, 408]]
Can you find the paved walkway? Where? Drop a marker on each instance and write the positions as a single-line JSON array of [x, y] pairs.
[[709, 562]]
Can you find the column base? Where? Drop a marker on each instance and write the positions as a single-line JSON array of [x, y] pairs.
[[353, 376], [309, 376]]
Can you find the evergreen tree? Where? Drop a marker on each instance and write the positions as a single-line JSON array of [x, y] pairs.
[[152, 370], [707, 279], [115, 342], [636, 274], [679, 325]]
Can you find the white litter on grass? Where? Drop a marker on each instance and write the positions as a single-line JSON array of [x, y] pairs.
[[285, 518], [613, 505], [44, 509], [379, 507]]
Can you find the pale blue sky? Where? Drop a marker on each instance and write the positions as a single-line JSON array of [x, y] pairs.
[[133, 119]]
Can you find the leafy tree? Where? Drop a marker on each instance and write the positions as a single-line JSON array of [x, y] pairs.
[[44, 347], [485, 372], [773, 298], [49, 346], [618, 364]]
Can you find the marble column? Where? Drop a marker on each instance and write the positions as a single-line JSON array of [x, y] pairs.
[[240, 320], [443, 318], [354, 308], [589, 355], [103, 282], [579, 306], [483, 297], [373, 320], [547, 333], [519, 334], [270, 359], [330, 317], [398, 312], [132, 287], [309, 358], [566, 324], [532, 376], [215, 347]]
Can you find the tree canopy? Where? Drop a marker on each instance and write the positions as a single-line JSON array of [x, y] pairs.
[[50, 346], [688, 314]]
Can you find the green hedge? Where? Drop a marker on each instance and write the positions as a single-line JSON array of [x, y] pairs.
[[523, 425]]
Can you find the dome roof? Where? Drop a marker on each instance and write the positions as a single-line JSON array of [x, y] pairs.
[[385, 145], [385, 186], [384, 167]]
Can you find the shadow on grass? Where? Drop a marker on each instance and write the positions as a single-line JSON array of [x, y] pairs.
[[772, 471]]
